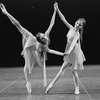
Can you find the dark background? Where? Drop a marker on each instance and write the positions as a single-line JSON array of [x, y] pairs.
[[35, 15]]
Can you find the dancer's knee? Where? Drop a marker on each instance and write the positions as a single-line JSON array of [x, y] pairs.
[[75, 74], [25, 69]]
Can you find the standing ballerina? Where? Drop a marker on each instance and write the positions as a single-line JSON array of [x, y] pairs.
[[34, 48], [74, 56]]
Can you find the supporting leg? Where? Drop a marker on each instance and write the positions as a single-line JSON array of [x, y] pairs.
[[28, 84], [60, 73], [76, 81], [29, 62]]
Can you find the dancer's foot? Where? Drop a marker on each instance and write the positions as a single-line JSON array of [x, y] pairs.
[[49, 88], [77, 90], [28, 86]]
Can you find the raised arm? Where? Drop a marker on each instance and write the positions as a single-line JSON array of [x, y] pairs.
[[63, 18], [52, 22], [76, 37], [22, 30]]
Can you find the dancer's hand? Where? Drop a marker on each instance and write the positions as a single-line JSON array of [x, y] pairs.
[[55, 5], [3, 8], [66, 53]]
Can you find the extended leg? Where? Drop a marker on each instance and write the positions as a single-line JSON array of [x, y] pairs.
[[76, 81], [60, 73], [21, 29]]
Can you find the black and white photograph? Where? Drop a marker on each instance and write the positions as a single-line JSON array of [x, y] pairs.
[[49, 50]]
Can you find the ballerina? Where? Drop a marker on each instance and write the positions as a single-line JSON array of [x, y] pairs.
[[74, 56], [34, 48]]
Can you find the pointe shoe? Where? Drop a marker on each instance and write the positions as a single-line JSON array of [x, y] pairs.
[[49, 88], [77, 90], [28, 86]]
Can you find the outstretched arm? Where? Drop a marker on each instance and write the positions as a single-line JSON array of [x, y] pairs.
[[23, 31], [63, 18], [52, 22], [76, 37], [55, 52]]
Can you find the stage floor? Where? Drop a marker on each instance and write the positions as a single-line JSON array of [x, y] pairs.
[[62, 90]]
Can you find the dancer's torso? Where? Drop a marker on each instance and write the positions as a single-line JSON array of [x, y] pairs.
[[76, 56], [70, 36]]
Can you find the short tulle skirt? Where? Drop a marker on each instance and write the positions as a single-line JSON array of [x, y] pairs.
[[76, 58], [33, 57]]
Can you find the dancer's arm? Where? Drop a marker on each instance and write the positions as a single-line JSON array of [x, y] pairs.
[[52, 22], [55, 52], [23, 31], [63, 18], [76, 37]]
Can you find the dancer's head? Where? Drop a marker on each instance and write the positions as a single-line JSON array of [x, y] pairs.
[[80, 23], [42, 38], [79, 26]]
